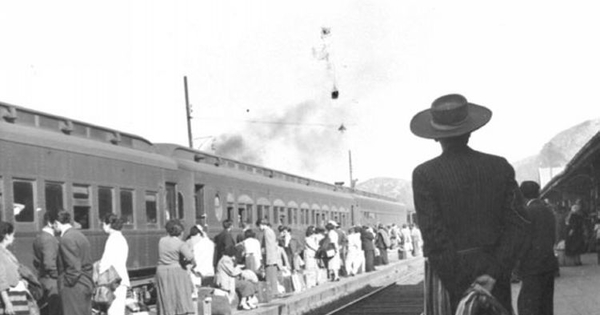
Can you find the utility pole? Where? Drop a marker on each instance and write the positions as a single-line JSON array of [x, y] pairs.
[[188, 114], [350, 163]]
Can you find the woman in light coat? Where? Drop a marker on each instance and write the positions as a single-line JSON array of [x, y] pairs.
[[115, 254], [334, 263], [13, 290]]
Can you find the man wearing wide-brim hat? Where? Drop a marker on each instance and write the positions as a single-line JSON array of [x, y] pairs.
[[469, 207]]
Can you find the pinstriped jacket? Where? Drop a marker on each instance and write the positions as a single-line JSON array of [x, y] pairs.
[[468, 201]]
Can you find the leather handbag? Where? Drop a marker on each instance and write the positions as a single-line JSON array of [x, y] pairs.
[[105, 285], [330, 252], [109, 277], [102, 298]]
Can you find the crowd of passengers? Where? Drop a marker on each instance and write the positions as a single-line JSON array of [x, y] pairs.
[[255, 265]]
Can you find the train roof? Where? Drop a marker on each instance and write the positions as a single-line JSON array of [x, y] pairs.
[[215, 161], [21, 125], [85, 132], [61, 125]]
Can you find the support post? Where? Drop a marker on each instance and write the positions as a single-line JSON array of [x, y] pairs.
[[188, 114]]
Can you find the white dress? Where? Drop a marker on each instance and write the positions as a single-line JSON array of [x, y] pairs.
[[335, 262], [115, 254]]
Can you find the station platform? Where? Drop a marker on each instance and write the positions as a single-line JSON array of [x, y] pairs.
[[328, 296], [577, 290]]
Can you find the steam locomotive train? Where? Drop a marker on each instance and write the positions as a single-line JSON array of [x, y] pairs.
[[49, 163]]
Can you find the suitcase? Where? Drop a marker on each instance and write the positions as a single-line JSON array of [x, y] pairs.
[[286, 282], [219, 305], [264, 294]]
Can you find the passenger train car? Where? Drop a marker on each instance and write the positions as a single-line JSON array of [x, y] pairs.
[[49, 163]]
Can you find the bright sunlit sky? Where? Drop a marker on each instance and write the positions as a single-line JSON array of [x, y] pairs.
[[259, 92]]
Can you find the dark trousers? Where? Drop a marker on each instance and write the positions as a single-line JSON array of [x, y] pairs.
[[271, 277], [77, 300], [369, 260], [384, 256], [51, 304], [537, 294]]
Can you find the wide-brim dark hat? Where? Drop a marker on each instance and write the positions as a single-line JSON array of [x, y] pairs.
[[449, 116]]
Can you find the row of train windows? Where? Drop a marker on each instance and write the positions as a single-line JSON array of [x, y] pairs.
[[24, 201], [281, 215]]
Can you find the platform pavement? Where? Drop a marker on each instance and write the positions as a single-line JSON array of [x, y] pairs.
[[577, 290], [312, 300]]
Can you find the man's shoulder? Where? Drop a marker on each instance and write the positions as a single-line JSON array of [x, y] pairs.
[[491, 158], [74, 235], [477, 156], [44, 237]]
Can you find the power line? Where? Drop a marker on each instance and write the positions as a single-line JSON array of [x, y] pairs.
[[285, 123]]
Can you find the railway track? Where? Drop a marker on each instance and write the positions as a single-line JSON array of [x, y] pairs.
[[403, 297]]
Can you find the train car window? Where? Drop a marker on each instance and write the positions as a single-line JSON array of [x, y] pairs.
[[301, 216], [294, 216], [54, 197], [105, 202], [260, 212], [180, 205], [241, 215], [306, 214], [151, 207], [23, 200], [266, 213], [81, 205], [199, 203], [230, 211], [313, 217], [218, 208], [282, 216], [249, 213], [126, 197], [171, 200]]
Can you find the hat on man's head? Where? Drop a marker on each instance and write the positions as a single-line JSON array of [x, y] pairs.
[[449, 116], [333, 223]]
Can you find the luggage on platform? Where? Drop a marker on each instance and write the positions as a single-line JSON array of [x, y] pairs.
[[219, 304], [264, 293], [285, 280]]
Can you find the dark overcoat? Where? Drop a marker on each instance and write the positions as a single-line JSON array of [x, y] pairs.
[[471, 215], [45, 255], [75, 273], [223, 241]]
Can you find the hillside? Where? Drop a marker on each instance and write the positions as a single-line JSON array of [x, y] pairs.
[[392, 187], [558, 151]]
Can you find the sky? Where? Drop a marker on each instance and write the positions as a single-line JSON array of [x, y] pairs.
[[260, 86]]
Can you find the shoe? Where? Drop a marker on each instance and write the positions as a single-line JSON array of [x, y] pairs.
[[244, 306]]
